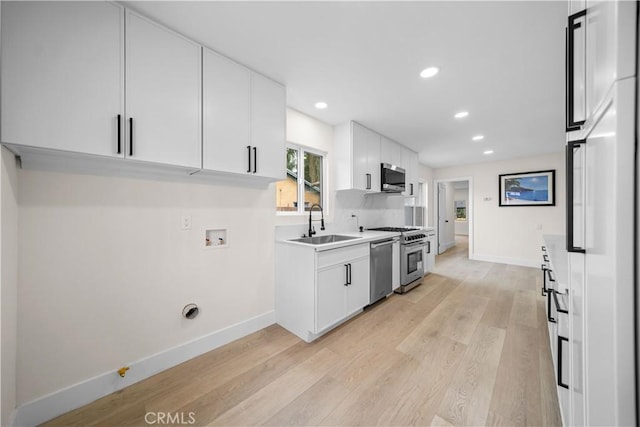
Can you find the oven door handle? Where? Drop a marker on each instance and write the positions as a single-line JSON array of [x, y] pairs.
[[415, 244]]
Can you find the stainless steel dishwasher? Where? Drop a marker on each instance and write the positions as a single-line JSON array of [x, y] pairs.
[[381, 258]]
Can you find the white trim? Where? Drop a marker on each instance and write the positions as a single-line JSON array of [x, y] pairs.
[[77, 395], [470, 212], [448, 245], [507, 260]]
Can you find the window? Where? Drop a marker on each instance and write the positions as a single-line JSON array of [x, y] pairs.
[[297, 193], [461, 210]]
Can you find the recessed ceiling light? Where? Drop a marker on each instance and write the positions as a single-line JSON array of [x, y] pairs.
[[429, 72], [488, 152], [478, 138], [461, 114], [321, 105]]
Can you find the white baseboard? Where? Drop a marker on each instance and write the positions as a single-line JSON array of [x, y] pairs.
[[80, 394], [446, 246], [506, 260]]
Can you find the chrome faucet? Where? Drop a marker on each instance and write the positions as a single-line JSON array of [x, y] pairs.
[[312, 230]]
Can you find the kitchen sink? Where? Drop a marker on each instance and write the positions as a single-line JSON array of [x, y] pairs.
[[321, 240]]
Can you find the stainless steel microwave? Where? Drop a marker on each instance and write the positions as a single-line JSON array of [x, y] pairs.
[[392, 178]]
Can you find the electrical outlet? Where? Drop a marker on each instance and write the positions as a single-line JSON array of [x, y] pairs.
[[185, 223]]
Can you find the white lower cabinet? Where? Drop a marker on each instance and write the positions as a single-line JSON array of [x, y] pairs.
[[316, 291], [341, 290]]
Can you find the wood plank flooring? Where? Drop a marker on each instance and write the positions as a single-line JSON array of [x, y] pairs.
[[468, 347]]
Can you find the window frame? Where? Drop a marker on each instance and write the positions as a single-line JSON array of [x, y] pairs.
[[301, 149]]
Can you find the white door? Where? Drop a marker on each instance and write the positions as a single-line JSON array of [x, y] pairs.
[[331, 288], [45, 101], [609, 245], [362, 179], [268, 117], [226, 114], [163, 102], [358, 292], [442, 216]]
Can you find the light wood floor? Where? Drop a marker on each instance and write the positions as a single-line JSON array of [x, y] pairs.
[[469, 347]]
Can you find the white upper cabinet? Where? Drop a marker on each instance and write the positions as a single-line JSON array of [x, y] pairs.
[[226, 95], [390, 152], [610, 48], [163, 99], [268, 128], [62, 75], [410, 164], [357, 158]]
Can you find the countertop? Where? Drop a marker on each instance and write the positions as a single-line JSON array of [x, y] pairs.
[[364, 237]]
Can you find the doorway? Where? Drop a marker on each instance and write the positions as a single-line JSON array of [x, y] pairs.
[[453, 201]]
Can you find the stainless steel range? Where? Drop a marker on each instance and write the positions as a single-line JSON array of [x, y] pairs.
[[412, 244]]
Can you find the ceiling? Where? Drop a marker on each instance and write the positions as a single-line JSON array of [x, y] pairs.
[[503, 62]]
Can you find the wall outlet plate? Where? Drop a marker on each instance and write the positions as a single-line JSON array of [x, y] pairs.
[[185, 222]]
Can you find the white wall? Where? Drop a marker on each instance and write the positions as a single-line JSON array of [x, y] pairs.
[[105, 271], [461, 227], [511, 234], [9, 288]]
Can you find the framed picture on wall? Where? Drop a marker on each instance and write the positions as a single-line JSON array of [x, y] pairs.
[[528, 188]]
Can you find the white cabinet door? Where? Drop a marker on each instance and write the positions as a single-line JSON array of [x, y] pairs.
[[390, 152], [361, 136], [358, 291], [268, 118], [163, 102], [609, 262], [576, 312], [62, 80], [373, 162], [331, 287], [365, 158], [226, 113], [410, 164]]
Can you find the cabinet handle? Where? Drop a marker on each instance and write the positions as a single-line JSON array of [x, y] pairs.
[[543, 248], [545, 257], [561, 339], [551, 279], [368, 181], [558, 308], [411, 194], [549, 318], [130, 136], [119, 135], [544, 280], [571, 123], [248, 159], [346, 274], [572, 147], [255, 159]]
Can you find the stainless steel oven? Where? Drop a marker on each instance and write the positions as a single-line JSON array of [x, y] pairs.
[[411, 264]]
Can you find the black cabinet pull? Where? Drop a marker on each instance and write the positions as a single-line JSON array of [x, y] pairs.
[[349, 273], [549, 318], [119, 135], [571, 123], [545, 257], [346, 274], [249, 158], [572, 147], [558, 308], [543, 248], [411, 186], [130, 136], [544, 280], [368, 181], [255, 159], [551, 279], [561, 339]]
